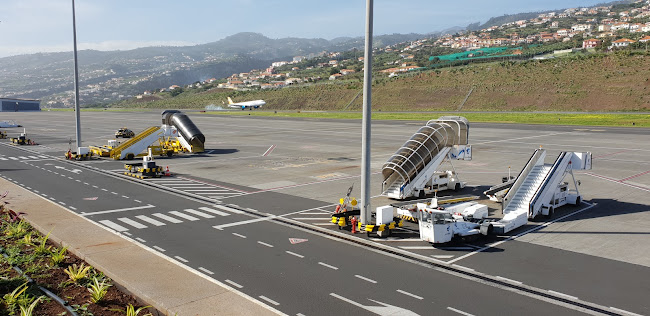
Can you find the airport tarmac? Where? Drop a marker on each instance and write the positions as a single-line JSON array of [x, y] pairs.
[[298, 169]]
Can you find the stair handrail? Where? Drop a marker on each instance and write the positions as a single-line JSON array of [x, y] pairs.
[[546, 181], [118, 150], [532, 162]]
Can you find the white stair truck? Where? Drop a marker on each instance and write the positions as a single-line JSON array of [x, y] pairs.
[[539, 190], [413, 169]]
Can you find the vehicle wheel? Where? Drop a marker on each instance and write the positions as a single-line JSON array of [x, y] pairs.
[[550, 212], [129, 157], [578, 200], [490, 229], [421, 194], [457, 187], [169, 154]]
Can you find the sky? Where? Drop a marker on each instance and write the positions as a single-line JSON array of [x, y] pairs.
[[32, 26]]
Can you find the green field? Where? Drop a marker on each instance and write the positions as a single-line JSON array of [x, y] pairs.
[[586, 119]]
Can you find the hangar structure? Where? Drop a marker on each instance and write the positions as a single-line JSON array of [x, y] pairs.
[[19, 105]]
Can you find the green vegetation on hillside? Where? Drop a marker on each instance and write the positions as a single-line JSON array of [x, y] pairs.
[[579, 82]]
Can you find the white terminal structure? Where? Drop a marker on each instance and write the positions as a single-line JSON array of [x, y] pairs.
[[413, 169]]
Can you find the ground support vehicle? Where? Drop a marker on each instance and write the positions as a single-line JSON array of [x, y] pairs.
[[22, 140], [408, 210], [438, 226], [413, 169], [538, 190], [124, 133], [3, 135], [146, 169], [82, 153]]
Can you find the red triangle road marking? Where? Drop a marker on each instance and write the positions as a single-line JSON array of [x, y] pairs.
[[294, 241]]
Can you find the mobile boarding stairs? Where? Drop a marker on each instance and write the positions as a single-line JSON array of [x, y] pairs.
[[413, 169], [539, 189]]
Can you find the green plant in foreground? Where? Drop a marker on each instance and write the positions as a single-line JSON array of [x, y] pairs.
[[98, 290], [131, 311], [17, 229], [82, 310], [58, 256], [77, 273], [11, 299], [29, 310], [42, 248]]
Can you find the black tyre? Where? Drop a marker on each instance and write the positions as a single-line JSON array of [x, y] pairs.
[[578, 200], [421, 194], [129, 157], [169, 154], [457, 187], [551, 211]]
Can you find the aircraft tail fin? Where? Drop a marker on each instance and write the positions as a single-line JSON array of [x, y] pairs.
[[230, 101]]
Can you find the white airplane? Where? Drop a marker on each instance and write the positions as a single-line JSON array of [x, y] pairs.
[[247, 104]]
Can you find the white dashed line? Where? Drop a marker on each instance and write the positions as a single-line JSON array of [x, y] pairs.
[[72, 208], [269, 300], [562, 294], [508, 280], [459, 311], [96, 187], [462, 267], [206, 270], [239, 235], [159, 249], [124, 196], [114, 193], [265, 244], [295, 254], [181, 259], [327, 265], [624, 311], [365, 279], [140, 239], [234, 284], [126, 233], [410, 294], [61, 203], [104, 190], [185, 216], [138, 201]]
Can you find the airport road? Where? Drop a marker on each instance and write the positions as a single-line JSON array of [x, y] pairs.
[[279, 166]]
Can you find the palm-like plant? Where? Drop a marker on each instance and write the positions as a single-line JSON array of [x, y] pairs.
[[29, 310], [11, 299], [58, 256], [42, 248], [131, 311], [98, 290], [77, 273]]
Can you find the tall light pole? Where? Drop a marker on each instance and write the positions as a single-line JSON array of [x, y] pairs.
[[365, 215], [76, 79]]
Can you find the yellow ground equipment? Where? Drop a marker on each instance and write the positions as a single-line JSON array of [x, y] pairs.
[[3, 135], [82, 153], [22, 140]]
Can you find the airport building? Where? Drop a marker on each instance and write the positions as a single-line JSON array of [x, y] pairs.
[[16, 105]]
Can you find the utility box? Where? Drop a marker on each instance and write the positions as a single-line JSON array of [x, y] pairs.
[[384, 215], [83, 150]]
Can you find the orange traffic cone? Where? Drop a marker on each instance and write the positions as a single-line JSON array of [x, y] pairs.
[[167, 173]]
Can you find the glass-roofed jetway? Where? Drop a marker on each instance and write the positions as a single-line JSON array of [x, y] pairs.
[[411, 171]]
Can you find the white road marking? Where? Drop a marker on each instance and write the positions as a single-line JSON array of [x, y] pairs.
[[269, 300], [104, 190], [124, 196], [118, 210], [61, 203], [44, 194], [237, 285], [86, 183], [127, 233], [562, 294], [195, 212], [185, 216], [114, 193], [410, 294], [265, 244], [72, 207], [181, 259], [167, 218], [203, 189], [3, 158], [418, 247], [131, 222], [114, 226], [327, 265], [313, 218], [138, 201], [213, 211], [521, 234], [321, 224], [624, 311], [159, 249], [459, 311], [239, 235], [77, 180], [221, 227], [150, 220], [33, 157], [206, 270], [461, 267], [365, 279], [314, 213], [229, 209], [13, 158], [442, 256], [295, 254], [96, 187], [140, 239], [509, 280], [268, 151]]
